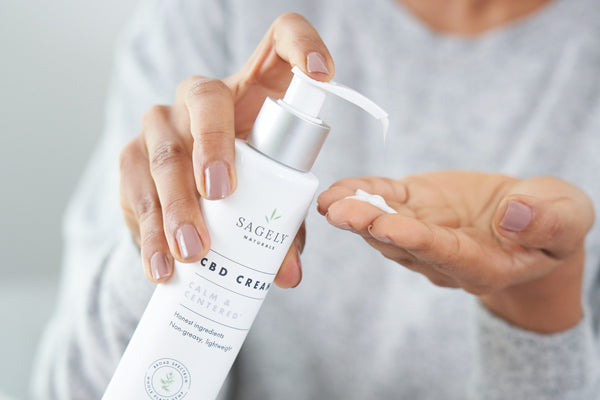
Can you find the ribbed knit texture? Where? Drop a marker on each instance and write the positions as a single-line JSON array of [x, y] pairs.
[[522, 99]]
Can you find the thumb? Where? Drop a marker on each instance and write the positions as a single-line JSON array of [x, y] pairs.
[[547, 214], [290, 272]]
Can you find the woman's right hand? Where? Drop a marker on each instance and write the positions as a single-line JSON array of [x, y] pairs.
[[186, 150]]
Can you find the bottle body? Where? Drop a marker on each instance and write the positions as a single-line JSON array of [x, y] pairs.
[[195, 324]]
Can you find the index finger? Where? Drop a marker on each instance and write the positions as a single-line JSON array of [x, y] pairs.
[[219, 109], [291, 41], [209, 103], [390, 189]]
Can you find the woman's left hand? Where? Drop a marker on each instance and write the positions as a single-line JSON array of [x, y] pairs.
[[517, 244]]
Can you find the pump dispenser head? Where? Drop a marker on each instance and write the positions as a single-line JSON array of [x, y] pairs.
[[308, 95], [290, 131]]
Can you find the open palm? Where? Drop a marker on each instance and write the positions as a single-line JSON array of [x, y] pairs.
[[485, 233]]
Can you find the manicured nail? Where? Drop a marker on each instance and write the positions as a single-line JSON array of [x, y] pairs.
[[345, 226], [160, 266], [216, 180], [383, 239], [517, 216], [188, 241], [315, 62], [298, 258], [299, 264]]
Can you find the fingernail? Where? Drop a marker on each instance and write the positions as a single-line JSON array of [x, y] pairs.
[[188, 241], [344, 226], [322, 211], [315, 62], [160, 266], [298, 258], [299, 264], [216, 180], [517, 216], [383, 239]]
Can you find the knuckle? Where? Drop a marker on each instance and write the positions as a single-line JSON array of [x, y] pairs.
[[554, 229], [151, 238], [212, 144], [202, 87], [212, 137], [155, 115], [147, 207], [351, 182], [165, 154], [177, 206], [182, 87], [128, 156], [307, 39], [125, 204], [422, 243], [287, 18], [301, 30]]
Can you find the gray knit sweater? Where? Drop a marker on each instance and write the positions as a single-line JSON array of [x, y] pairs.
[[523, 99]]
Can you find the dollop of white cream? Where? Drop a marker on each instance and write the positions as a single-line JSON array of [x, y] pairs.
[[373, 199]]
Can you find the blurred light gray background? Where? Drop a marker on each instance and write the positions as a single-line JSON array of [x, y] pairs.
[[55, 64]]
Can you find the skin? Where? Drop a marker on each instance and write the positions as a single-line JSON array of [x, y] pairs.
[[440, 231], [450, 227], [163, 168], [470, 17]]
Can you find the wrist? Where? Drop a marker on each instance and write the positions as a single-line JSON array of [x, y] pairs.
[[549, 304]]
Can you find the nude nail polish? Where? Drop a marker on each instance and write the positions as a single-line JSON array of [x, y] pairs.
[[160, 266], [188, 241], [216, 180], [194, 326], [517, 216], [345, 226], [298, 264], [315, 62]]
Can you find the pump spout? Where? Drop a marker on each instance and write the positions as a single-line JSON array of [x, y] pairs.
[[307, 96], [290, 130]]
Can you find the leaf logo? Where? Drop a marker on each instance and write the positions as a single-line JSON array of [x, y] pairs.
[[167, 381], [167, 378], [273, 216]]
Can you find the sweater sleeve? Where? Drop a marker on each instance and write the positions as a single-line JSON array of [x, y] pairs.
[[515, 364], [103, 291]]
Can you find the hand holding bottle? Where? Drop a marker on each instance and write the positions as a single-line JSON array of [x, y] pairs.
[[517, 244], [186, 150]]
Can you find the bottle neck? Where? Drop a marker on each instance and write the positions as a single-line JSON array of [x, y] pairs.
[[286, 136]]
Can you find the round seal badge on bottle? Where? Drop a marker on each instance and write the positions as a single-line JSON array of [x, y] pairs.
[[167, 379]]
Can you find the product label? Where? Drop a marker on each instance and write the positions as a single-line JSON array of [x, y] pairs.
[[195, 324], [224, 292], [213, 315]]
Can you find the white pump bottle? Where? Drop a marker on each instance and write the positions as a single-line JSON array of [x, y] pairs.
[[195, 324]]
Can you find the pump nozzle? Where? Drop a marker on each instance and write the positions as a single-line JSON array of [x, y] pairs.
[[290, 131], [307, 96]]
